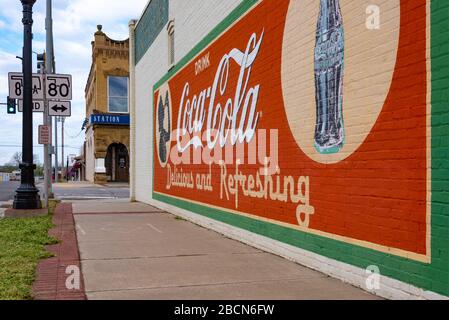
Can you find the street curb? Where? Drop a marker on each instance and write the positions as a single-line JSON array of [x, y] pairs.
[[52, 273]]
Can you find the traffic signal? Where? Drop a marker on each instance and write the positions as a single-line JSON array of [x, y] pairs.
[[11, 106], [41, 61]]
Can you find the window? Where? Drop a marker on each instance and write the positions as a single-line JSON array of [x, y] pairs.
[[118, 94], [171, 43]]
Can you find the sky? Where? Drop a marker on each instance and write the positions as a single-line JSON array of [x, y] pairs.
[[74, 24]]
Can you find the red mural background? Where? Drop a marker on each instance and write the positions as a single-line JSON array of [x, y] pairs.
[[377, 194]]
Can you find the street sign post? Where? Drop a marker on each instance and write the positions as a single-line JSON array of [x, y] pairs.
[[27, 195], [59, 87], [51, 94], [44, 135], [15, 82], [59, 108], [38, 106]]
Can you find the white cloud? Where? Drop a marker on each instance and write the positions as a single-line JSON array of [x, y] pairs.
[[8, 63]]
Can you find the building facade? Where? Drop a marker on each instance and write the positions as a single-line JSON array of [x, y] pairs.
[[107, 110], [311, 129]]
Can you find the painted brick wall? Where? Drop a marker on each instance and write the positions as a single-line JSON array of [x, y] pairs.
[[191, 26], [388, 185]]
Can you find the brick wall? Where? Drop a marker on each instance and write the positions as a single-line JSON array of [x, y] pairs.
[[371, 196]]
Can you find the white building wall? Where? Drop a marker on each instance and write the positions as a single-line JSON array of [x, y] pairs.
[[90, 156], [193, 20]]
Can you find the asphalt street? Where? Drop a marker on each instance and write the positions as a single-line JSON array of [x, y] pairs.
[[72, 191], [87, 191], [7, 190]]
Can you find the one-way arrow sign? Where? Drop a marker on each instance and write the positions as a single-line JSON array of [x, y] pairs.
[[60, 108]]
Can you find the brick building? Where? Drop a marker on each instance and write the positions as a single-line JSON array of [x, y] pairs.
[[107, 111], [335, 115]]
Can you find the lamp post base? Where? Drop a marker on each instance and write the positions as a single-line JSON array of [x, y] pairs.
[[27, 197]]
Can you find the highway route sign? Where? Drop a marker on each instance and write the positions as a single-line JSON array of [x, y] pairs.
[[59, 87], [15, 82]]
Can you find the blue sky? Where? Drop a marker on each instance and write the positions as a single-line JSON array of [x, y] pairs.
[[74, 24]]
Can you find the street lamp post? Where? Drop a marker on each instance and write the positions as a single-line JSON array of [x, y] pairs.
[[27, 195]]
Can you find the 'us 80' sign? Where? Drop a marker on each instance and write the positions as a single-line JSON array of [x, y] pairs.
[[59, 87]]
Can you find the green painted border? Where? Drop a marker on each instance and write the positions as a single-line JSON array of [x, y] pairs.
[[433, 276]]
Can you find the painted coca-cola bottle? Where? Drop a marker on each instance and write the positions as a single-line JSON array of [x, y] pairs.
[[329, 69]]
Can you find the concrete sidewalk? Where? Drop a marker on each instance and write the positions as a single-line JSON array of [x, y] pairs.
[[135, 251]]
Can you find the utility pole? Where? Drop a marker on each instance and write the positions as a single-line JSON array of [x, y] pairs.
[[62, 148], [27, 195], [56, 151], [47, 161], [49, 69]]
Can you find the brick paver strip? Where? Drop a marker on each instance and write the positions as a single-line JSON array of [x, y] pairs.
[[51, 273], [118, 213]]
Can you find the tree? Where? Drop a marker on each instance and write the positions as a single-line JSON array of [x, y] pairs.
[[7, 168], [16, 159], [39, 172]]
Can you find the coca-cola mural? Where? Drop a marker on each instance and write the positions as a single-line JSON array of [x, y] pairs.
[[297, 115]]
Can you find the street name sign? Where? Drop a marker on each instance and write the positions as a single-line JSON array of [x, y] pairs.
[[59, 87], [38, 106], [15, 82], [59, 108], [44, 134]]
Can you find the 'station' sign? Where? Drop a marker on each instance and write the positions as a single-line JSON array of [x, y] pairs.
[[259, 126], [109, 119]]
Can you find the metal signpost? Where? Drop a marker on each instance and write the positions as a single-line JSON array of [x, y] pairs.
[[50, 91], [59, 92], [50, 68], [27, 195], [51, 94]]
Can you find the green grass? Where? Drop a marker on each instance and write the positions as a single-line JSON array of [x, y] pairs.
[[22, 244]]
